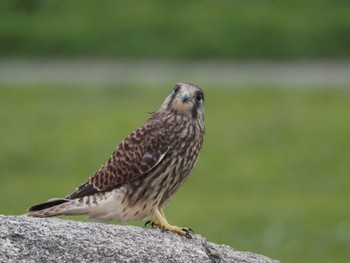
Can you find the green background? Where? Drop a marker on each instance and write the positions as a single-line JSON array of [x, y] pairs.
[[272, 177], [273, 174], [243, 29]]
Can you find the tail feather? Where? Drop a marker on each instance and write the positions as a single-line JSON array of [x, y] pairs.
[[47, 204], [102, 206], [55, 207]]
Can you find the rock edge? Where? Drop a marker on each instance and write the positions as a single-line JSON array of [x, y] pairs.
[[25, 239]]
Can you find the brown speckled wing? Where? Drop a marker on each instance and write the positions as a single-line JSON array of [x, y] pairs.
[[136, 156]]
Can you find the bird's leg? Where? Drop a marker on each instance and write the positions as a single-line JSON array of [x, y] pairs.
[[163, 224]]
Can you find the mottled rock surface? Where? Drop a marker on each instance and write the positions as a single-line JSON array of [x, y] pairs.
[[25, 239]]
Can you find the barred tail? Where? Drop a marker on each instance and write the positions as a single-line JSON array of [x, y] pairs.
[[57, 206]]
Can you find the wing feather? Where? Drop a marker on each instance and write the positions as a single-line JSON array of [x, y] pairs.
[[136, 156]]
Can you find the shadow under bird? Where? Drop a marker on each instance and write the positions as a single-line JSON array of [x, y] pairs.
[[145, 170]]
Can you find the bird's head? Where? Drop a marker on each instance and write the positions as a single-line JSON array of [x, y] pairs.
[[186, 99]]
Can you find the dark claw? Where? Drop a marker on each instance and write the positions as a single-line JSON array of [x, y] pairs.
[[188, 236], [149, 222], [188, 230]]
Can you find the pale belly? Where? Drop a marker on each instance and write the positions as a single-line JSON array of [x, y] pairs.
[[114, 207]]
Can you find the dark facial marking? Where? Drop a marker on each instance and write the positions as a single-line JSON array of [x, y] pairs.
[[177, 88], [199, 96]]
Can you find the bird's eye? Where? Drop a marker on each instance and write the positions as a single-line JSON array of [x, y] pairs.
[[176, 89], [199, 96]]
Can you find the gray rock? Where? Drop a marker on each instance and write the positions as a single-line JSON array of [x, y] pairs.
[[25, 239]]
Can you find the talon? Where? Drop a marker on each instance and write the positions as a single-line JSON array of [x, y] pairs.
[[148, 222], [188, 230], [188, 236]]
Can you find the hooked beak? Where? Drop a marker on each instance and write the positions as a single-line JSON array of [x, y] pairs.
[[185, 96]]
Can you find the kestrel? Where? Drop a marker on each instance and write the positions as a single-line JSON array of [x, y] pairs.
[[145, 170]]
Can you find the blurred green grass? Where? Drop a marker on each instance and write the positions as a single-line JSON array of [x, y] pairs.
[[272, 178], [176, 29]]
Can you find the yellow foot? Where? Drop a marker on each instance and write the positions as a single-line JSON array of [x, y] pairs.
[[182, 231], [163, 224]]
